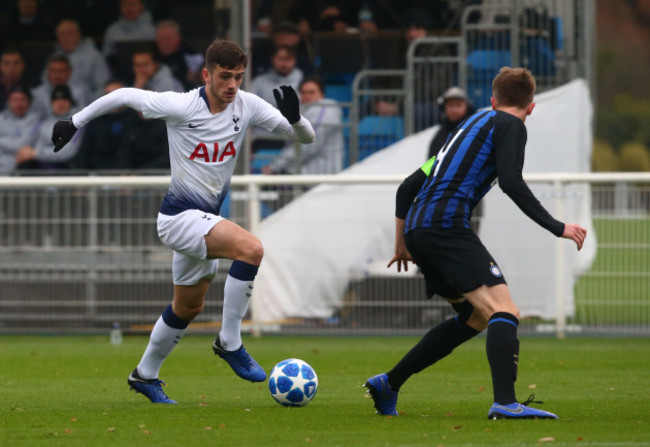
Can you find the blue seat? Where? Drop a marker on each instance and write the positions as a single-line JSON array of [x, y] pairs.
[[377, 132], [483, 65], [488, 60], [339, 92]]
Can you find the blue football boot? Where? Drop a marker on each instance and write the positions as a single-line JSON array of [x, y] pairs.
[[241, 362], [151, 388], [519, 411], [385, 399]]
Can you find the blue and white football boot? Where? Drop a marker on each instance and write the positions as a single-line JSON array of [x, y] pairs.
[[151, 388], [241, 362], [384, 397], [519, 411]]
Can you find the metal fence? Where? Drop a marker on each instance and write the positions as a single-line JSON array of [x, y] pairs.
[[552, 38], [79, 253]]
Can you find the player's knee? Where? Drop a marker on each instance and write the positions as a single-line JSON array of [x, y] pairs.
[[253, 252], [477, 320], [187, 312]]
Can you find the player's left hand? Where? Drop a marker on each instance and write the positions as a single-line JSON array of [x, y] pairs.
[[62, 132], [576, 233], [288, 103], [402, 257]]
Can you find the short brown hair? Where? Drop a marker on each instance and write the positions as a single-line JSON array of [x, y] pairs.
[[225, 53], [514, 87]]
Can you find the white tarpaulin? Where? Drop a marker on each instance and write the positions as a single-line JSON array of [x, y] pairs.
[[335, 233]]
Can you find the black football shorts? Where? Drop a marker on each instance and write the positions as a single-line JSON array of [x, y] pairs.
[[454, 261]]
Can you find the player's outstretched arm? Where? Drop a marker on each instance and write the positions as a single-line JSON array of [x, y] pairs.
[[576, 233]]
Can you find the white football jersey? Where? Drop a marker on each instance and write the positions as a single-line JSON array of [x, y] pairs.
[[203, 148]]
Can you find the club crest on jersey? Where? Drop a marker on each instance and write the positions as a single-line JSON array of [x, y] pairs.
[[201, 152], [495, 270], [235, 118]]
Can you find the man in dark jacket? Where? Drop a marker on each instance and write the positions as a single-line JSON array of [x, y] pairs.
[[455, 107]]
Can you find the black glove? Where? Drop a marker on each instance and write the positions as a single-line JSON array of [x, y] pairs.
[[62, 133], [289, 104]]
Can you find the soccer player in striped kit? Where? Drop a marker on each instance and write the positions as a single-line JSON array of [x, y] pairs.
[[433, 211], [206, 129]]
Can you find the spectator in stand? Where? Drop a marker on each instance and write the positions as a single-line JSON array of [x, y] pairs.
[[329, 15], [30, 23], [12, 68], [184, 63], [456, 107], [40, 155], [18, 126], [286, 34], [150, 74], [88, 64], [103, 135], [122, 139], [395, 14], [58, 72], [325, 154], [282, 72], [135, 24]]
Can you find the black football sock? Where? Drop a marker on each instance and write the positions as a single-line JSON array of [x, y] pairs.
[[502, 348], [435, 345]]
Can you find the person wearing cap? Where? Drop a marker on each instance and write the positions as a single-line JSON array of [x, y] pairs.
[[58, 73], [39, 155], [455, 107], [18, 126]]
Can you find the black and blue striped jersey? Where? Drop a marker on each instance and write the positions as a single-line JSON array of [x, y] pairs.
[[487, 146]]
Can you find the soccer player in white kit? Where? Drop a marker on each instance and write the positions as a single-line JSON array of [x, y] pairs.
[[205, 129]]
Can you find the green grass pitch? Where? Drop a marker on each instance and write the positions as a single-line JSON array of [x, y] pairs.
[[72, 391]]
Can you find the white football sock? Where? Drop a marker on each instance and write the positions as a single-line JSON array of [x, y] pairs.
[[162, 341], [237, 295]]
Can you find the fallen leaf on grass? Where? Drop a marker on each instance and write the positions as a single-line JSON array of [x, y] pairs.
[[73, 419], [146, 432], [202, 404], [111, 429], [207, 427], [67, 431], [532, 386], [546, 439]]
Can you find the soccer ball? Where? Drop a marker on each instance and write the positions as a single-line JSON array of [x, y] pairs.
[[293, 383]]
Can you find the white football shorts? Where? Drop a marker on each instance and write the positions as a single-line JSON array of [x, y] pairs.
[[184, 233]]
